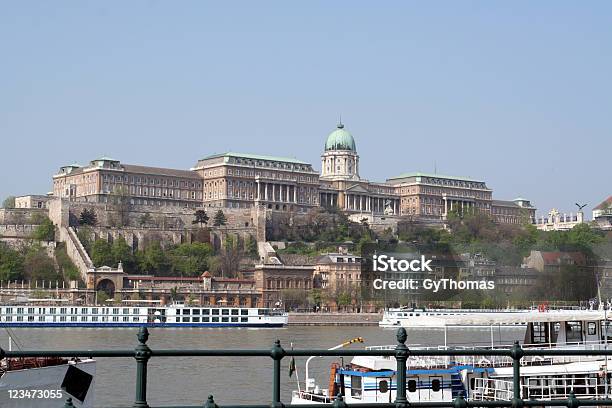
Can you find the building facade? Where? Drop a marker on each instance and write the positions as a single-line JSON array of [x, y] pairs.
[[555, 221], [237, 180], [106, 179], [337, 271]]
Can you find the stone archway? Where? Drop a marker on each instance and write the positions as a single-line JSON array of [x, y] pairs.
[[107, 286]]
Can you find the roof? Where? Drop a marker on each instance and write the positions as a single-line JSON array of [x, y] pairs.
[[160, 171], [433, 175], [604, 204], [340, 139], [254, 157], [554, 256], [506, 203]]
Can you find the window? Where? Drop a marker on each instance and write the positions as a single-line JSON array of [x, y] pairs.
[[412, 386], [383, 386], [435, 385], [355, 386], [591, 328]]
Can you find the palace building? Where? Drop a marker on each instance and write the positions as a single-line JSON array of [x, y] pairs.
[[238, 180]]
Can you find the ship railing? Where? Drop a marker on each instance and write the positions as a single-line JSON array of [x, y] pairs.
[[555, 387], [311, 396], [520, 397]]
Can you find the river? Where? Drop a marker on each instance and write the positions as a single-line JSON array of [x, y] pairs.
[[189, 380]]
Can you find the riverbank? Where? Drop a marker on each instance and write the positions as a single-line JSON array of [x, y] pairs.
[[334, 319]]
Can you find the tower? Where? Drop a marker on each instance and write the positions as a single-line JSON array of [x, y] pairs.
[[340, 160]]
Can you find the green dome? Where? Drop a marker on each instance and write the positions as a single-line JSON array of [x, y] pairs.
[[340, 139]]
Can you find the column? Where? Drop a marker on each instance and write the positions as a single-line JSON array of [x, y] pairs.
[[273, 192], [257, 196], [445, 206], [288, 197], [266, 191], [295, 194]]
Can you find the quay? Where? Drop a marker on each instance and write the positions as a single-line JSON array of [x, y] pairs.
[[333, 319]]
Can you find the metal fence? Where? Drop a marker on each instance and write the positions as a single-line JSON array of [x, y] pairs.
[[142, 354]]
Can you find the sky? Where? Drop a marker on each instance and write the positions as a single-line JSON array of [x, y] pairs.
[[518, 94]]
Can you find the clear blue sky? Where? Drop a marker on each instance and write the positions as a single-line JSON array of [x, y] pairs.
[[516, 93]]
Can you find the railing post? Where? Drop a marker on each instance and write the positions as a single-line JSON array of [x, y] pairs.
[[210, 403], [339, 402], [142, 355], [277, 353], [401, 356], [516, 352], [572, 401]]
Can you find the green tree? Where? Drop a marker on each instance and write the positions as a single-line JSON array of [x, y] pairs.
[[45, 231], [88, 217], [38, 266], [250, 247], [219, 219], [11, 263], [154, 260], [101, 253], [84, 234], [102, 297], [121, 252], [191, 259], [200, 218], [9, 202]]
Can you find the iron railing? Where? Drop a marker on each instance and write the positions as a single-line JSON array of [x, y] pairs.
[[142, 354]]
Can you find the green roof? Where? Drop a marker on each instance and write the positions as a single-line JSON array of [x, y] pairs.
[[255, 157], [340, 139], [105, 159], [407, 175]]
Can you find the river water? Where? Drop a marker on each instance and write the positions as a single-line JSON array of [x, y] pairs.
[[189, 380]]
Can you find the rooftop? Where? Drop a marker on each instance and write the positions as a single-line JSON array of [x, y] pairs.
[[254, 157], [431, 175], [605, 204]]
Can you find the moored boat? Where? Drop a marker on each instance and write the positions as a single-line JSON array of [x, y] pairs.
[[177, 315], [368, 379]]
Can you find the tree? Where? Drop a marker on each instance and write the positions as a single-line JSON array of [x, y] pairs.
[[219, 219], [88, 217], [121, 252], [250, 247], [154, 260], [45, 231], [191, 259], [145, 220], [38, 266], [201, 218], [9, 202], [11, 263], [120, 203], [101, 253]]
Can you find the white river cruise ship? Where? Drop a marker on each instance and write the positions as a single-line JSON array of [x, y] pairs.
[[177, 315]]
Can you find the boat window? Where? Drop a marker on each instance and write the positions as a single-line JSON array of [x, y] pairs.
[[539, 333], [383, 386], [435, 385], [355, 386], [573, 331], [234, 312], [215, 319], [93, 310], [215, 312], [185, 319], [186, 311], [244, 312], [472, 383], [196, 319], [412, 386], [591, 328], [234, 320], [178, 311], [205, 319], [196, 311], [244, 319], [224, 312], [225, 319], [205, 311]]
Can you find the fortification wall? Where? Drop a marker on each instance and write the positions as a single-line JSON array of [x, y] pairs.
[[13, 216]]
